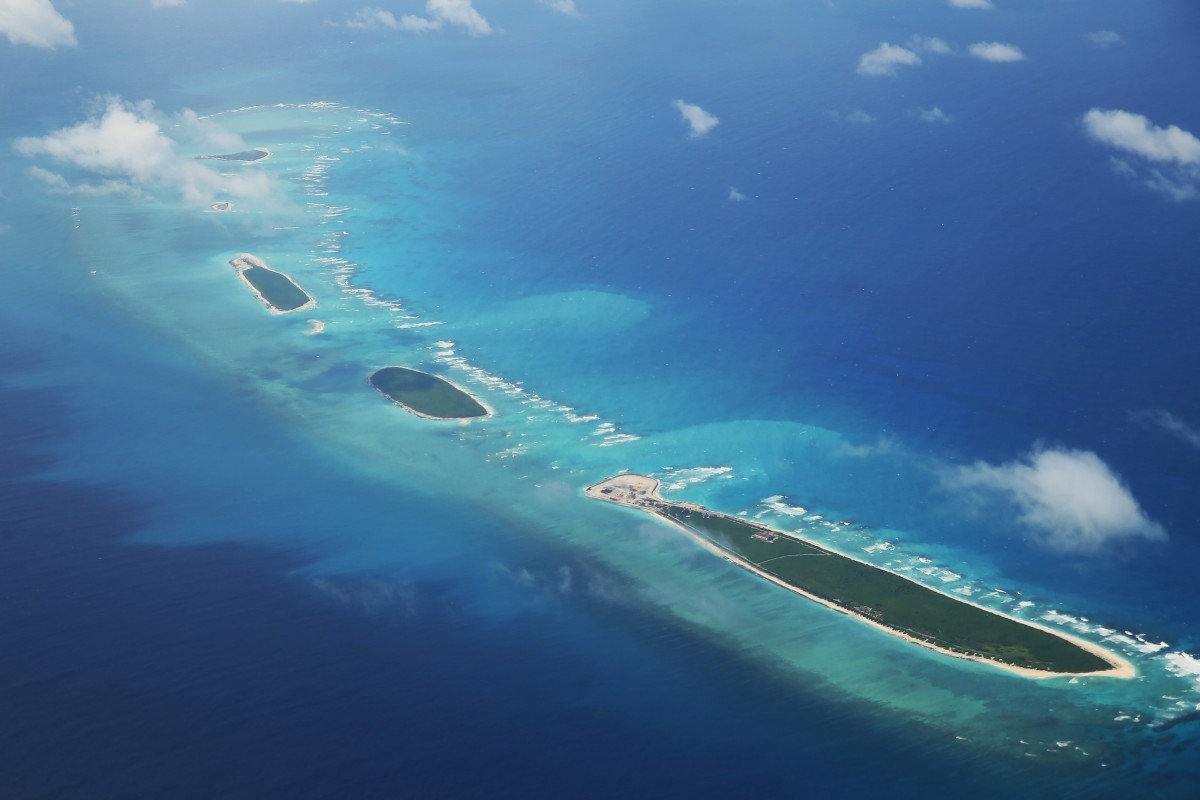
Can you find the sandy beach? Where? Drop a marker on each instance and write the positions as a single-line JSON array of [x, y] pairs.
[[244, 261], [632, 491]]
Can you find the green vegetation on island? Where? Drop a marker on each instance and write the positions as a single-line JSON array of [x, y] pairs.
[[426, 395], [277, 290], [888, 598], [257, 154]]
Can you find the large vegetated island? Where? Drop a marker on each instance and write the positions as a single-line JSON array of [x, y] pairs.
[[426, 395], [897, 604]]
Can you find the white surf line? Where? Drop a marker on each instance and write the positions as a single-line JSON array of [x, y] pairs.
[[315, 178]]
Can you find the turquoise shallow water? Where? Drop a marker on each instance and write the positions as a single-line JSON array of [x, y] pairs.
[[818, 356]]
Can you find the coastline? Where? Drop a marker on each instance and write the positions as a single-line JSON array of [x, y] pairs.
[[1121, 668], [460, 420], [244, 261]]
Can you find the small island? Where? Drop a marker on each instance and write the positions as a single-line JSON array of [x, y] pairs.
[[426, 395], [874, 595], [278, 292], [246, 156]]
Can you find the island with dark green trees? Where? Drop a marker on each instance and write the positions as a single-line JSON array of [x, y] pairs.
[[257, 154], [277, 291], [897, 604], [426, 395]]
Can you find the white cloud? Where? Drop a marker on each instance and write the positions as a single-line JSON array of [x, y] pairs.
[[299, 2], [885, 59], [368, 18], [1103, 39], [996, 52], [1178, 187], [1122, 167], [167, 3], [1136, 134], [972, 3], [736, 196], [699, 120], [1174, 151], [930, 44], [855, 117], [1070, 500], [932, 115], [35, 22], [59, 185], [459, 13], [125, 147], [562, 6], [415, 24], [1169, 424]]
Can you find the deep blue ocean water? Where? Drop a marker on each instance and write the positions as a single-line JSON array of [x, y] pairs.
[[230, 572]]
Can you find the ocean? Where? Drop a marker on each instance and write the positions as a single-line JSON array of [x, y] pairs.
[[232, 570]]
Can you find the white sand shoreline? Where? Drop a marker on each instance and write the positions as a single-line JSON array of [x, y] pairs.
[[648, 487]]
